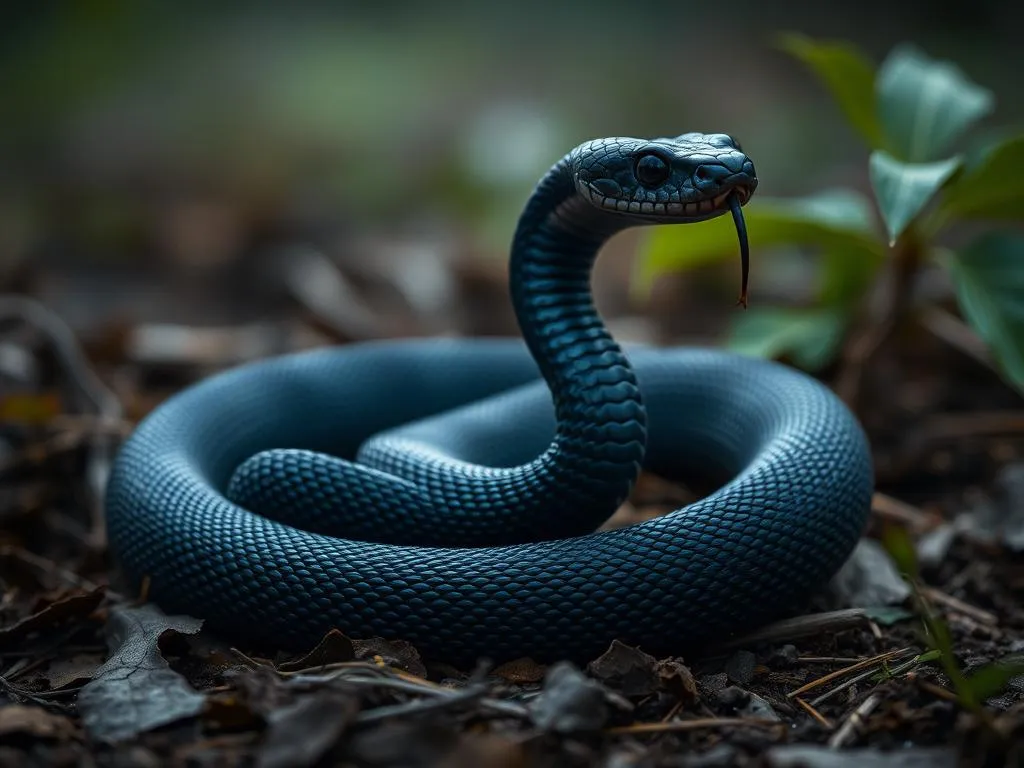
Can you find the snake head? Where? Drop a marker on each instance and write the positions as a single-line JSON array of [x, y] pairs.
[[692, 177], [661, 181]]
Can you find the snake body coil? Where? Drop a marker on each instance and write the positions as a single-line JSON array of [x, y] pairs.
[[445, 492]]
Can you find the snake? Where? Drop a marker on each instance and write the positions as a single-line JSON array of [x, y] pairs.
[[453, 492]]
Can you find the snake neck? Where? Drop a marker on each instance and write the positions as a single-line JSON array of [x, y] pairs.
[[601, 422]]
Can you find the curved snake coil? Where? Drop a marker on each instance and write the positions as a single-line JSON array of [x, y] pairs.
[[446, 492]]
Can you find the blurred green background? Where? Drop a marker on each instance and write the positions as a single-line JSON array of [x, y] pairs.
[[162, 139]]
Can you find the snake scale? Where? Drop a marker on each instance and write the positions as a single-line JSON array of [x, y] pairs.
[[448, 492]]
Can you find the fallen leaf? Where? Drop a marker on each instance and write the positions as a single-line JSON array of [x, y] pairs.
[[572, 703], [34, 722], [868, 578], [75, 606], [136, 690], [301, 733], [677, 679], [393, 653], [627, 670], [524, 670]]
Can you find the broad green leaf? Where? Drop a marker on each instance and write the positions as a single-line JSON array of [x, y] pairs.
[[904, 189], [839, 220], [809, 337], [847, 73], [924, 105], [992, 679], [989, 279], [992, 189]]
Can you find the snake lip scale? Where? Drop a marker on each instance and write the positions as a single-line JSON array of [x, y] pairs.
[[448, 492]]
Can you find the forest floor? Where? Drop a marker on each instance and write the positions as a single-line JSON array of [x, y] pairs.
[[92, 676]]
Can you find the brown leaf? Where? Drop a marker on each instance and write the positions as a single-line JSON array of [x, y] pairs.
[[72, 607], [523, 670], [34, 722], [627, 670], [335, 647], [678, 680], [393, 653]]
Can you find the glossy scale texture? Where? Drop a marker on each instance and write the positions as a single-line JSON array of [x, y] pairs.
[[445, 492]]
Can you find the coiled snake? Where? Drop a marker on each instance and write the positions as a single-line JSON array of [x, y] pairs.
[[447, 491]]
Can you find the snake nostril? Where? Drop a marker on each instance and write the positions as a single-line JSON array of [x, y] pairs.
[[702, 173]]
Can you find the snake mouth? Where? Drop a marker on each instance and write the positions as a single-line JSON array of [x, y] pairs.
[[692, 210]]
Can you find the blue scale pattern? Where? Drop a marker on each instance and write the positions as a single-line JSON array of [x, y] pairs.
[[446, 491]]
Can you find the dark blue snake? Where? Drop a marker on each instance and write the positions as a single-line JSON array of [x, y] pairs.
[[447, 492]]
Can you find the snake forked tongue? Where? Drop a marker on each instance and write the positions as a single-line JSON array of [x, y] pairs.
[[741, 231]]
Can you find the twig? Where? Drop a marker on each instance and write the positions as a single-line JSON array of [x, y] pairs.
[[464, 696], [692, 725], [900, 512], [803, 626], [959, 606], [822, 720], [854, 721], [385, 681], [873, 670], [937, 691], [847, 670], [826, 660]]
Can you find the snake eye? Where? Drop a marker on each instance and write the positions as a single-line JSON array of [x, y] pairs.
[[651, 170]]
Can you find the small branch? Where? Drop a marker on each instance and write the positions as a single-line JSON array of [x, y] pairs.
[[676, 726], [822, 720], [959, 606], [854, 721], [847, 670]]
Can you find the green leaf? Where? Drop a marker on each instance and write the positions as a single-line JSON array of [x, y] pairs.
[[989, 279], [992, 679], [904, 189], [840, 220], [898, 544], [809, 337], [847, 73], [992, 189], [924, 105]]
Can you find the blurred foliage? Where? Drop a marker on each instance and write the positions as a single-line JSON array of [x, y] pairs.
[[911, 112]]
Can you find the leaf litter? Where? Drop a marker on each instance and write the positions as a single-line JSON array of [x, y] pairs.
[[89, 676]]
